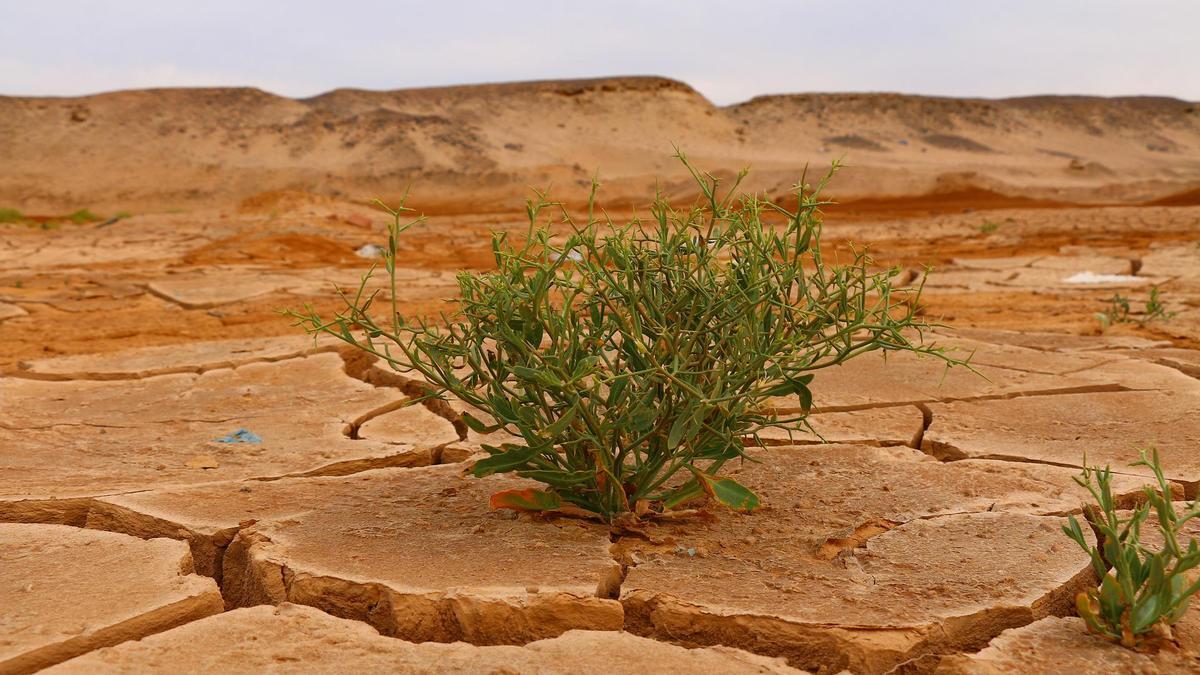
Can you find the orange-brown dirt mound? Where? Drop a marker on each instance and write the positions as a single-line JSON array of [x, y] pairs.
[[472, 149]]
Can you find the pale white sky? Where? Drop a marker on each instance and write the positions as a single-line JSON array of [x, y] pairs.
[[730, 50]]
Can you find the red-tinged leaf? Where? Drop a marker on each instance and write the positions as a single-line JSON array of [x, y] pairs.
[[528, 499], [728, 492]]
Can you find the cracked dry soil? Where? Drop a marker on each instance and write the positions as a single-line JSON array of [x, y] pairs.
[[923, 536]]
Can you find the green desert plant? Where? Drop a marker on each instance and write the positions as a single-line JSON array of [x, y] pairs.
[[1155, 309], [9, 215], [1119, 310], [1141, 590], [989, 226], [632, 360], [83, 216]]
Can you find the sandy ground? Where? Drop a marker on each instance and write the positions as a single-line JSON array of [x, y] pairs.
[[135, 538]]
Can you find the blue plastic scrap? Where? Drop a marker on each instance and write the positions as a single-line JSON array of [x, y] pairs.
[[240, 436]]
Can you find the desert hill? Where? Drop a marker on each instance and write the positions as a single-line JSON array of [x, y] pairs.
[[477, 148]]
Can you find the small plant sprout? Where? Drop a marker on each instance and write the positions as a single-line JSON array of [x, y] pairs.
[[633, 360], [9, 215], [1142, 592], [1116, 312], [1120, 309], [989, 226], [83, 216], [1155, 309]]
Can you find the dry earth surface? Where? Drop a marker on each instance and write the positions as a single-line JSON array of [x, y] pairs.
[[924, 536]]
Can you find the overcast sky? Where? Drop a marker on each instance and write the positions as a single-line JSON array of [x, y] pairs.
[[729, 50]]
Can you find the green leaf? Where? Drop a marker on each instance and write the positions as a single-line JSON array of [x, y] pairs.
[[528, 499], [585, 366], [797, 386], [537, 375], [718, 447], [683, 494], [727, 491], [503, 409], [641, 419], [678, 429], [1145, 613], [511, 458], [558, 479], [616, 390], [533, 333], [475, 424], [1111, 600], [560, 425], [803, 393]]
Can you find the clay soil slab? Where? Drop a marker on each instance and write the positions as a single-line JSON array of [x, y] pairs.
[[873, 379], [209, 516], [1108, 427], [1097, 264], [410, 423], [1056, 342], [1186, 322], [10, 311], [65, 591], [216, 287], [139, 242], [835, 489], [412, 284], [927, 586], [822, 499], [1186, 361], [85, 438], [191, 357], [995, 264], [898, 425], [418, 553], [1138, 374], [966, 279], [847, 563], [1063, 645], [1179, 262], [1040, 278], [300, 639], [998, 354]]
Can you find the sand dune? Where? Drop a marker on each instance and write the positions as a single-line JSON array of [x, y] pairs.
[[476, 148]]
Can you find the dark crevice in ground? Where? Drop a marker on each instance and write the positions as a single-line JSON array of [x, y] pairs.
[[363, 366], [946, 452], [175, 370], [1102, 388], [416, 457], [351, 430], [1192, 371], [926, 421]]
